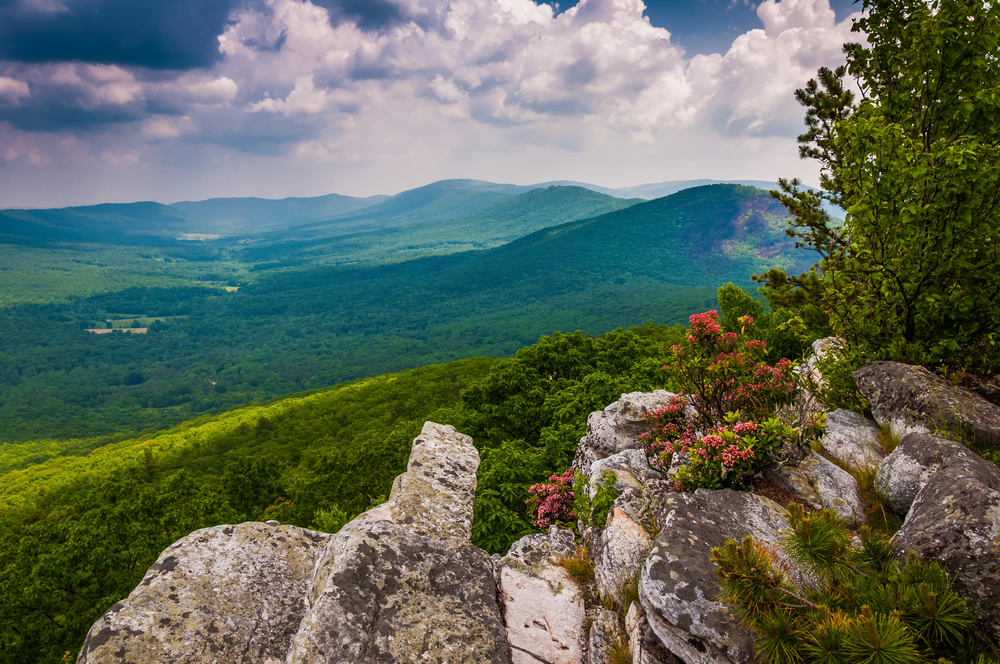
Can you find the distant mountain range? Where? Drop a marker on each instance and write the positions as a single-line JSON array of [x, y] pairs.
[[149, 223]]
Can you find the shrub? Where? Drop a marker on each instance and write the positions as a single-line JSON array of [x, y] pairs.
[[566, 498], [733, 393], [866, 606], [552, 502], [728, 455], [593, 512], [725, 371]]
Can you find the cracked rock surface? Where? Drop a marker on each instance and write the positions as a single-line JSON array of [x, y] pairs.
[[543, 606], [400, 583], [910, 399], [678, 583], [955, 520]]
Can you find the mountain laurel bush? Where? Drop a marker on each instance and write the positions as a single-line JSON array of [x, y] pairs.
[[723, 419]]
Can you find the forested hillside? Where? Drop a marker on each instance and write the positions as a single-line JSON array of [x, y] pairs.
[[306, 329], [98, 519]]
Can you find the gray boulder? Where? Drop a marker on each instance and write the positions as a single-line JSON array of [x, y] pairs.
[[822, 483], [645, 647], [605, 634], [237, 592], [852, 439], [631, 469], [619, 553], [911, 399], [955, 520], [543, 606], [905, 472], [678, 586], [400, 583], [617, 427]]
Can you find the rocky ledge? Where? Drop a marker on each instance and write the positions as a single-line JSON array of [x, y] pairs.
[[403, 583]]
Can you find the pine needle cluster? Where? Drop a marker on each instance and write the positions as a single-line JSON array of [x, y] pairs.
[[862, 605]]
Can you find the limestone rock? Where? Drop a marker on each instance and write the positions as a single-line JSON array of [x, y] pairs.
[[619, 553], [630, 467], [605, 634], [237, 592], [400, 583], [820, 348], [819, 481], [543, 606], [643, 644], [905, 472], [807, 404], [955, 520], [852, 439], [678, 584], [618, 426], [910, 399]]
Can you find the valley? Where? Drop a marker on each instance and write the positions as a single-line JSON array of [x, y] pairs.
[[151, 386]]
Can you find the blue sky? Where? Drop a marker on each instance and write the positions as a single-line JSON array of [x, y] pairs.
[[118, 100]]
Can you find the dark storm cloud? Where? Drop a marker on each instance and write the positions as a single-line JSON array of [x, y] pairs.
[[158, 34], [368, 14], [66, 117]]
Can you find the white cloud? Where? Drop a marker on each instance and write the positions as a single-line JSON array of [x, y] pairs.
[[98, 85], [166, 127], [468, 88], [199, 89], [12, 91]]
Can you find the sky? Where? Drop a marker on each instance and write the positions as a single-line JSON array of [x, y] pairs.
[[126, 100]]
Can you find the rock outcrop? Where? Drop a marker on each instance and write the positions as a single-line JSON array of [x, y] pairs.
[[619, 554], [678, 585], [852, 439], [231, 593], [617, 427], [821, 484], [543, 607], [905, 472], [955, 520], [401, 583], [910, 399]]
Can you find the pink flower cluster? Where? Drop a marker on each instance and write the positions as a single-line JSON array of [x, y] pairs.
[[671, 431], [704, 327], [552, 502], [726, 371]]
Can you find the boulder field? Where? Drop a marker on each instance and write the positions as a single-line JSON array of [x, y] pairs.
[[403, 583]]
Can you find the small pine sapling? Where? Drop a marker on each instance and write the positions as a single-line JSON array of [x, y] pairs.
[[865, 605]]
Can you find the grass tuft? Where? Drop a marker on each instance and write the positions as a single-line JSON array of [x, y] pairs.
[[887, 439], [578, 565], [879, 514], [618, 649]]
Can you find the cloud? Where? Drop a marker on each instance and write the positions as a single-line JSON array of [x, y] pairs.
[[12, 91], [167, 127], [161, 34], [376, 86]]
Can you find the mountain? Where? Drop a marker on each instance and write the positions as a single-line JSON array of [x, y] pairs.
[[283, 220], [445, 199], [506, 219], [302, 329], [144, 223], [247, 215]]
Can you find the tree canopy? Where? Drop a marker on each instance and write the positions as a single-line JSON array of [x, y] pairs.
[[914, 160]]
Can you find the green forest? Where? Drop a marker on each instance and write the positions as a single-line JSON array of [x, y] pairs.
[[277, 379], [308, 328]]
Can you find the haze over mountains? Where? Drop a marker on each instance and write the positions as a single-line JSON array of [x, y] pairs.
[[312, 312], [148, 223]]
